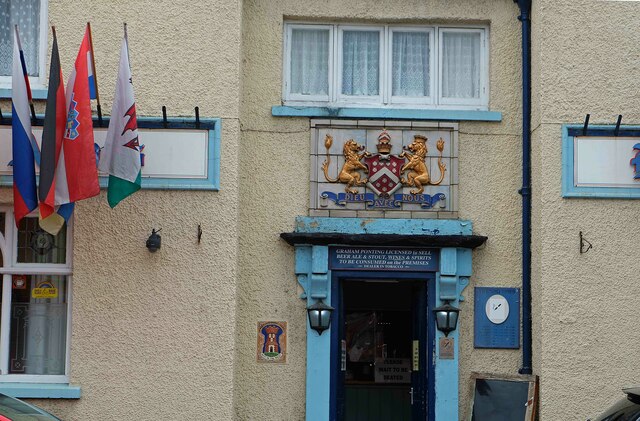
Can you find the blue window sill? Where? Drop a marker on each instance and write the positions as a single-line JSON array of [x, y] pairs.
[[386, 113], [40, 390], [35, 93]]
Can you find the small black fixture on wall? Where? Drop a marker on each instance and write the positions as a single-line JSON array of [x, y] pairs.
[[154, 241]]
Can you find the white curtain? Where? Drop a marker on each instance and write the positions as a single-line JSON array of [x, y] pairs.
[[46, 329], [461, 65], [310, 61], [360, 62], [26, 14], [410, 64]]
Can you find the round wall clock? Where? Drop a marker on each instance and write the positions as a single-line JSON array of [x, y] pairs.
[[497, 309]]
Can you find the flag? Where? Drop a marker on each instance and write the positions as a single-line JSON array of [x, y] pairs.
[[55, 117], [76, 171], [121, 155], [93, 92], [25, 198]]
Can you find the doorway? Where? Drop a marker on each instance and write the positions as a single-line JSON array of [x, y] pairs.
[[384, 347]]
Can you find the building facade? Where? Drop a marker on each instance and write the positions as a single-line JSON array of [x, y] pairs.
[[365, 155]]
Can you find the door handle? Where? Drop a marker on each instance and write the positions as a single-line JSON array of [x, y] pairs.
[[411, 394]]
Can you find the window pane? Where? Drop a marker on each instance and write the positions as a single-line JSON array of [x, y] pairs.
[[310, 61], [461, 65], [3, 217], [38, 337], [360, 62], [410, 65], [38, 246], [26, 14]]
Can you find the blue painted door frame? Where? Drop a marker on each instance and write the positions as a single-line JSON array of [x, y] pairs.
[[312, 271], [427, 343]]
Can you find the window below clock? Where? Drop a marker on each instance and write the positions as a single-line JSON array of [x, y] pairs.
[[31, 18], [386, 66], [34, 302]]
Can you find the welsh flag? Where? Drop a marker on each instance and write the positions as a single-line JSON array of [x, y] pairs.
[[120, 157]]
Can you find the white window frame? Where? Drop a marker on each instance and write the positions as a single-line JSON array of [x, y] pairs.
[[386, 99], [398, 99], [8, 249], [288, 95], [37, 82], [361, 99], [484, 98]]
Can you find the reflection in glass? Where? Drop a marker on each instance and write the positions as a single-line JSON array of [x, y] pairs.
[[38, 246]]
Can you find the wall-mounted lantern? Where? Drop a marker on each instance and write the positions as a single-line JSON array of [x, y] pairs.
[[154, 241], [446, 318], [320, 316]]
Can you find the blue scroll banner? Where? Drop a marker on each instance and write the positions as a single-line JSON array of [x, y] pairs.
[[426, 201]]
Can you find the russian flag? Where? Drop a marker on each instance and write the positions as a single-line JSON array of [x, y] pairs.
[[93, 92], [24, 145]]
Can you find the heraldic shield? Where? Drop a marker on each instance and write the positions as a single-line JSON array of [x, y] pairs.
[[384, 173]]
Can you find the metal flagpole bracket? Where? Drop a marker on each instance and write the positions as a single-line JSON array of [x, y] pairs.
[[617, 129], [586, 125]]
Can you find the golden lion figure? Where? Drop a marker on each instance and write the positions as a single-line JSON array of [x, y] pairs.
[[416, 154], [349, 173]]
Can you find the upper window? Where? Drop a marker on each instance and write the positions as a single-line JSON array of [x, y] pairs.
[[34, 301], [386, 65], [31, 18]]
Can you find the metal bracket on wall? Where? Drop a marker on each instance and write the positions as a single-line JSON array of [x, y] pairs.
[[585, 245]]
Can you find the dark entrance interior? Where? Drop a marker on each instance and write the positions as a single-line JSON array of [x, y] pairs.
[[383, 334]]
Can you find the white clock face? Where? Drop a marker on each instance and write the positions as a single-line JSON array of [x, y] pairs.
[[497, 309]]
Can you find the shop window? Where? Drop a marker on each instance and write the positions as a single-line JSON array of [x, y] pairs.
[[31, 18], [34, 308], [386, 66]]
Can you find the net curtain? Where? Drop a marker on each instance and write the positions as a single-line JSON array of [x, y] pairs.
[[461, 65], [26, 14], [310, 62], [410, 64]]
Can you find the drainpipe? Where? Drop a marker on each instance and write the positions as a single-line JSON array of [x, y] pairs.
[[525, 191]]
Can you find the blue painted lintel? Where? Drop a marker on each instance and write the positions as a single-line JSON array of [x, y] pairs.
[[35, 93], [385, 113], [41, 390], [309, 224]]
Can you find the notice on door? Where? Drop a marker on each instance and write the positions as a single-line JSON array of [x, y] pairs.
[[383, 258], [393, 370]]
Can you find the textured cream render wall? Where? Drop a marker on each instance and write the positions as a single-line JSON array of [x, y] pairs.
[[588, 304], [153, 335], [274, 189]]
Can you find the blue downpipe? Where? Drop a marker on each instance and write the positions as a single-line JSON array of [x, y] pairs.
[[525, 191]]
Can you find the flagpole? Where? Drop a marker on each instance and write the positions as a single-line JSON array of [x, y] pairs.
[[26, 77], [126, 37], [95, 74]]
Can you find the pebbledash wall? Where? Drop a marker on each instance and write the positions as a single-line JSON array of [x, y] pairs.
[[275, 169], [173, 333], [585, 305], [153, 335]]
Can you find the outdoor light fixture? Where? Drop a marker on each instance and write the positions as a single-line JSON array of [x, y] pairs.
[[446, 318], [319, 316], [154, 241]]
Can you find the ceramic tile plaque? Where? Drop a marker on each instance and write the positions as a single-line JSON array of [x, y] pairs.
[[383, 168], [272, 342]]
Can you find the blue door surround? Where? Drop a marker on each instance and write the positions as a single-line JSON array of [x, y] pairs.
[[455, 241], [427, 342]]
